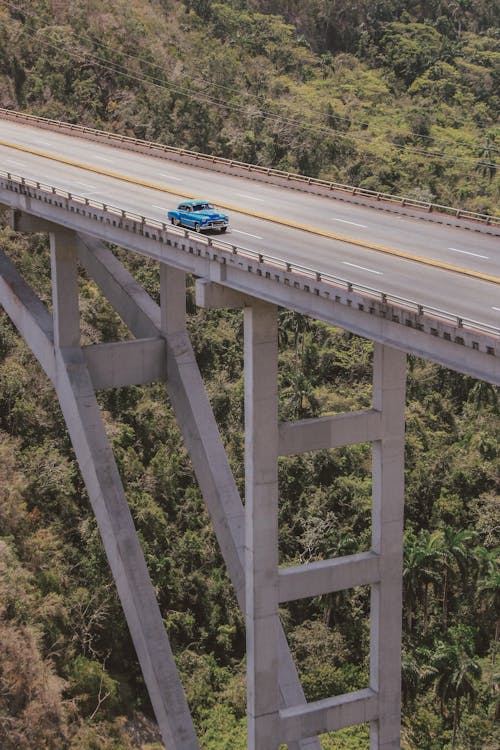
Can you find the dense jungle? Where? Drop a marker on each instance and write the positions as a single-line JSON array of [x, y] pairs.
[[396, 96]]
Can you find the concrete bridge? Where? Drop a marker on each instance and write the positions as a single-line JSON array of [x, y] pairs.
[[422, 279]]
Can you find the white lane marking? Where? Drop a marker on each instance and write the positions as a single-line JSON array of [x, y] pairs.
[[87, 186], [169, 176], [155, 205], [255, 236], [370, 270], [497, 309], [251, 197], [467, 252], [102, 158], [354, 224]]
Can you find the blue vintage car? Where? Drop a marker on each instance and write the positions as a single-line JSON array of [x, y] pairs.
[[198, 215]]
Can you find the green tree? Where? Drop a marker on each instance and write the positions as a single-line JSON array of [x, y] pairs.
[[455, 669]]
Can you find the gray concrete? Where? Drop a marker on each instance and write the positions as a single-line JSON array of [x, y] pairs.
[[122, 363], [389, 384], [331, 431], [197, 423], [277, 710], [261, 524], [327, 576], [63, 261], [435, 338], [29, 315], [65, 365]]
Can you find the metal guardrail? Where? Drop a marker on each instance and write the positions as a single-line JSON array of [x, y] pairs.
[[290, 177], [232, 250]]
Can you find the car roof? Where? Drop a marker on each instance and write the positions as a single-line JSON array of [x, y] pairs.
[[192, 203]]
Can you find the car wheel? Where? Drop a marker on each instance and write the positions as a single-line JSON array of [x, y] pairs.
[[223, 229], [196, 227], [173, 221]]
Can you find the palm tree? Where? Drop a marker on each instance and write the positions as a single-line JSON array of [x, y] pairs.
[[420, 569], [486, 164], [483, 395], [456, 556], [298, 324], [300, 396], [456, 671], [488, 587]]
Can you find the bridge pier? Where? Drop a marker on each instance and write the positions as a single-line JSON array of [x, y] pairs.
[[248, 537], [381, 567]]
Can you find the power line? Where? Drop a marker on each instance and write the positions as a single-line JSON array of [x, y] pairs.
[[112, 67]]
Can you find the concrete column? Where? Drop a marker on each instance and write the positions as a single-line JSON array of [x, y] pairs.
[[261, 524], [63, 258], [172, 299], [387, 540]]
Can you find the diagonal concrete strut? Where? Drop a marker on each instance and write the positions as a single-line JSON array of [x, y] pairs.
[[200, 432], [66, 367]]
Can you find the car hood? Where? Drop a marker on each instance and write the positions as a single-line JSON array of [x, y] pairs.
[[209, 214]]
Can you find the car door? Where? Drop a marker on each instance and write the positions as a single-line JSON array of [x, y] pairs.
[[187, 218]]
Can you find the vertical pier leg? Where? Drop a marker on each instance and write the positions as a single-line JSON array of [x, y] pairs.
[[389, 380], [64, 271], [261, 524], [95, 458]]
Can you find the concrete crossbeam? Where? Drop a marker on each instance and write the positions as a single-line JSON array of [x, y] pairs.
[[211, 295], [328, 715], [327, 576], [122, 363], [20, 221], [331, 431]]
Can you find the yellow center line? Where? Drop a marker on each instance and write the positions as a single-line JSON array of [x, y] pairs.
[[256, 214]]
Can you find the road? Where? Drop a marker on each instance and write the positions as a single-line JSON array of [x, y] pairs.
[[267, 218]]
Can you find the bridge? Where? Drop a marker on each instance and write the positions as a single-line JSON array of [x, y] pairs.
[[413, 277]]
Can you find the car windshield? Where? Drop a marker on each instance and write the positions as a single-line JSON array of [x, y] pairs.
[[202, 206]]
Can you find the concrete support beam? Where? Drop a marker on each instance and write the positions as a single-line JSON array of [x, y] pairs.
[[23, 222], [124, 553], [136, 308], [327, 432], [200, 433], [328, 715], [389, 381], [29, 315], [327, 576], [95, 457], [121, 363], [261, 524], [64, 268], [210, 295]]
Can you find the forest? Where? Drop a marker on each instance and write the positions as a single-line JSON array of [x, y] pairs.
[[395, 96]]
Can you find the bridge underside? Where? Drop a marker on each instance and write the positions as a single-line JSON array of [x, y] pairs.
[[247, 535]]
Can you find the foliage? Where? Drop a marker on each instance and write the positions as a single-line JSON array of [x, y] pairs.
[[371, 84]]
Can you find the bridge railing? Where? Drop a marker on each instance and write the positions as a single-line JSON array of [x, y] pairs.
[[298, 180], [266, 259]]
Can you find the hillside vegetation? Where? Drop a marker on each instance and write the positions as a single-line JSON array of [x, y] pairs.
[[356, 91], [395, 96]]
